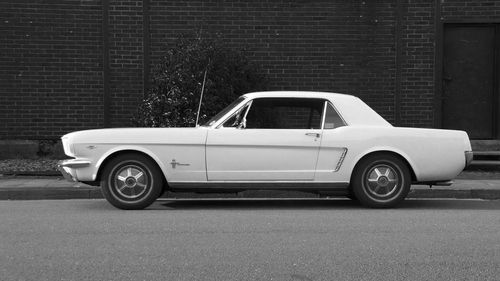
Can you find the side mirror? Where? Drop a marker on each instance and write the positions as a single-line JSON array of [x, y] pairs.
[[243, 124]]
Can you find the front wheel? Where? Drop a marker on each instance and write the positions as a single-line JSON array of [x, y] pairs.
[[131, 181], [381, 181]]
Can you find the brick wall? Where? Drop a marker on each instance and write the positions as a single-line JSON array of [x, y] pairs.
[[338, 46], [417, 64], [51, 53], [126, 59], [486, 11], [50, 68]]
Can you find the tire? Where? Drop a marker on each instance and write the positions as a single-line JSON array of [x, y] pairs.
[[350, 195], [131, 181], [381, 181]]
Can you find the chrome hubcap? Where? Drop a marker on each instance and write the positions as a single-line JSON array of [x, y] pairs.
[[131, 181], [382, 180]]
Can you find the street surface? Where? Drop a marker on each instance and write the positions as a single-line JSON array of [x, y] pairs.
[[250, 240]]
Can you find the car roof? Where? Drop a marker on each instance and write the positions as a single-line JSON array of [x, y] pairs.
[[298, 94]]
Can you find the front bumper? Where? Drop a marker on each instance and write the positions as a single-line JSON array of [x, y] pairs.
[[67, 167]]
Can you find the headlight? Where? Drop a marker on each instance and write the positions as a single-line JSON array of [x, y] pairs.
[[68, 148]]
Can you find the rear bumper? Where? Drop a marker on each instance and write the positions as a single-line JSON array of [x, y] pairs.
[[469, 155], [68, 168], [436, 183]]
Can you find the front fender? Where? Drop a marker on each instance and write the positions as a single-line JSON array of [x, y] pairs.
[[130, 148]]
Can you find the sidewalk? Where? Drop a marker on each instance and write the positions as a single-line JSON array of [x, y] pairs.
[[467, 186], [46, 187]]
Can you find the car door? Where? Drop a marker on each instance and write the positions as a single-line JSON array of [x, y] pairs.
[[269, 139]]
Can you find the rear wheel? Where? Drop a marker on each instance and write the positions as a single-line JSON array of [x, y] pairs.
[[381, 181], [131, 181]]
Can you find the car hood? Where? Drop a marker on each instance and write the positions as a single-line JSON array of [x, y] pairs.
[[138, 135]]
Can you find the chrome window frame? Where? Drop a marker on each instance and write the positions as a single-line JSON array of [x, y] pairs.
[[328, 102], [223, 119], [251, 101]]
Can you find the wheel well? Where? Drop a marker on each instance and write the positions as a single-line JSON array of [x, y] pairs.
[[115, 154], [412, 173]]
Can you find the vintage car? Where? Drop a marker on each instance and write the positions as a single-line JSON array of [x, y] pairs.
[[331, 144]]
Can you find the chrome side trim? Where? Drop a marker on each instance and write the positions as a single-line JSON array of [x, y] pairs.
[[341, 160], [246, 185]]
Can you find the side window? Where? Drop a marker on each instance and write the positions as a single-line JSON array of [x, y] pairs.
[[285, 113], [332, 118]]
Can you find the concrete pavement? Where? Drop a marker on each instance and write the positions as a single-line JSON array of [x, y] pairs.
[[281, 240], [469, 185]]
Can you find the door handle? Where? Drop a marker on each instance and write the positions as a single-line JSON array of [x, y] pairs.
[[316, 135]]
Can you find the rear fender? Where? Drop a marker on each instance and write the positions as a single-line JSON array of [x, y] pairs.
[[381, 149]]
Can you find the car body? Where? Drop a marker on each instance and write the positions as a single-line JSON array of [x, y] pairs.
[[309, 141]]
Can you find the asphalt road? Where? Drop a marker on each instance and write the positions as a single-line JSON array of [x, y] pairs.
[[250, 240]]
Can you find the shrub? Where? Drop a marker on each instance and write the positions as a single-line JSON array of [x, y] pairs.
[[177, 80]]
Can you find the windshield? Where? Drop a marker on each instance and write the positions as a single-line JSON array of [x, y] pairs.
[[223, 112]]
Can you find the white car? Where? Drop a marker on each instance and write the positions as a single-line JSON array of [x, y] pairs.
[[317, 142]]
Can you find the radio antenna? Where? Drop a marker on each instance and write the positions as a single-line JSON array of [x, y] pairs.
[[201, 95]]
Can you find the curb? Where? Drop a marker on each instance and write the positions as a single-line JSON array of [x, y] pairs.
[[95, 193], [49, 193], [486, 194]]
